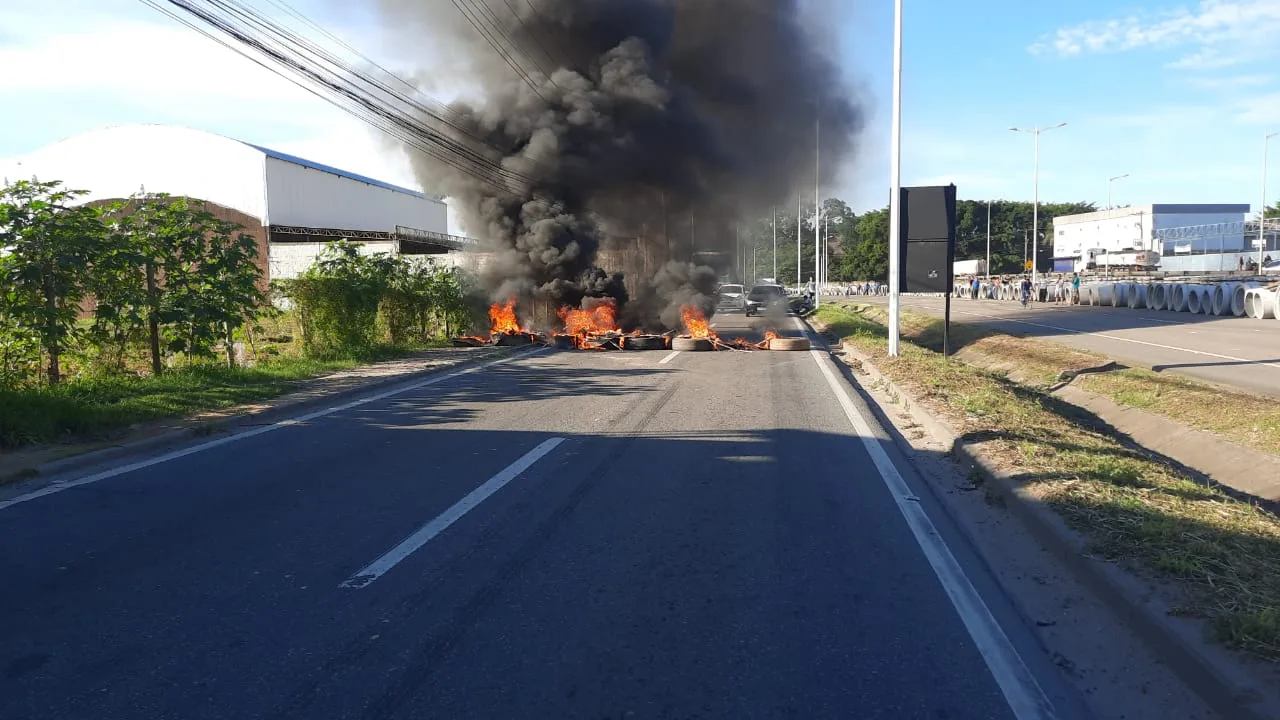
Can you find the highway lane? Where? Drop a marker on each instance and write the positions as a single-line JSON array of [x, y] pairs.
[[705, 536], [1242, 352]]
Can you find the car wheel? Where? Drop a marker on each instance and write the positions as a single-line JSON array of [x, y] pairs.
[[688, 344], [789, 343]]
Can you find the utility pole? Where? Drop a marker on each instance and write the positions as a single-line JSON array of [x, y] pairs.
[[895, 179], [1262, 214], [1035, 208], [988, 239], [775, 243], [817, 204], [799, 210]]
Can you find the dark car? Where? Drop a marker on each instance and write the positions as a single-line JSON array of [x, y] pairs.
[[766, 297]]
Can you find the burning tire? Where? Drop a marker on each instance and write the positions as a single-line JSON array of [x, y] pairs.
[[512, 339], [644, 342], [688, 344], [789, 343]]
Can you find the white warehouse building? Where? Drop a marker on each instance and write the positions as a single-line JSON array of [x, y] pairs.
[[1139, 227], [290, 205]]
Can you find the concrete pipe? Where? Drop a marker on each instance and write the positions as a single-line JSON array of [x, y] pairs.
[[1137, 296], [1275, 303], [1118, 296], [1197, 299], [1206, 299], [1178, 298], [1150, 303], [1106, 293], [1222, 293], [1237, 297], [1260, 303], [1159, 295]]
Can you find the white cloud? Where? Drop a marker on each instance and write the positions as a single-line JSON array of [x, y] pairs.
[[1219, 33]]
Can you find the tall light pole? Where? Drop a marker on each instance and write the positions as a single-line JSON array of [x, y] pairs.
[[1109, 181], [1035, 208], [988, 239], [799, 210], [817, 204], [1262, 214], [775, 243], [895, 179]]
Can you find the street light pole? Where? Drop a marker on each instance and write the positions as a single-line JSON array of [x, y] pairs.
[[799, 210], [817, 206], [895, 179], [1262, 214], [775, 243], [988, 239], [1035, 208], [1109, 181]]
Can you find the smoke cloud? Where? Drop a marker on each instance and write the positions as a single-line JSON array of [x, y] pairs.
[[663, 120]]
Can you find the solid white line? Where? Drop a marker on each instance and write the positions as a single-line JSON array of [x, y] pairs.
[[1005, 318], [1125, 339], [669, 358], [1019, 686], [441, 522], [60, 486]]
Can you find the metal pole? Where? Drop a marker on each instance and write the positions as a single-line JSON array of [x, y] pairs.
[[1262, 214], [775, 243], [895, 178], [817, 206], [799, 211], [988, 239], [1035, 216]]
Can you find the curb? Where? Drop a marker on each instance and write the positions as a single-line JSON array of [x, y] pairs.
[[1206, 671], [236, 421]]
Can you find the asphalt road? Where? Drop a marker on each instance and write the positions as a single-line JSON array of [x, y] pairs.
[[564, 535], [1242, 352]]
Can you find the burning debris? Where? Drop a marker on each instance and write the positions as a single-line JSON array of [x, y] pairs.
[[600, 119]]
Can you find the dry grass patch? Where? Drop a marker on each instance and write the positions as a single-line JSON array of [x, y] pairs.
[[1129, 505]]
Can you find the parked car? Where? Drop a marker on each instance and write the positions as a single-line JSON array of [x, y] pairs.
[[1271, 268], [731, 297], [763, 298]]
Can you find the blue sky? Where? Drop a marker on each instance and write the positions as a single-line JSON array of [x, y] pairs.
[[1177, 95]]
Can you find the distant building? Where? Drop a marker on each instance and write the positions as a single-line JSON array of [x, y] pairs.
[[291, 206], [1143, 227]]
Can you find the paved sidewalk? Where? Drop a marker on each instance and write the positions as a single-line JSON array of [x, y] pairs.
[[28, 461]]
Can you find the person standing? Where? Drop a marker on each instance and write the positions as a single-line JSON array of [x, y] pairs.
[[1075, 288], [1025, 287]]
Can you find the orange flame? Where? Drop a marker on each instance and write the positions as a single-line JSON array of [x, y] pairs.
[[695, 323], [504, 319], [600, 319], [770, 335]]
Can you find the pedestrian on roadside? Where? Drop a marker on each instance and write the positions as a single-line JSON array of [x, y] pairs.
[[1026, 290], [1075, 288]]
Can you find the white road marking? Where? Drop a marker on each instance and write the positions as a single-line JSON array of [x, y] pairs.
[[1128, 340], [441, 522], [60, 486], [1019, 686], [669, 358]]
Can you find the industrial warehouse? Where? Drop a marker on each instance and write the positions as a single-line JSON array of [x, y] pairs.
[[290, 205]]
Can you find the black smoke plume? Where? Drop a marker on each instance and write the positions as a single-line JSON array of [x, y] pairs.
[[663, 120]]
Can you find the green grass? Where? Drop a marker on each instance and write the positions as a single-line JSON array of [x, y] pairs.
[[1129, 505], [96, 407]]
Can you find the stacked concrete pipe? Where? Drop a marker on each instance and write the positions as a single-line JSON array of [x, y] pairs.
[[1198, 299], [1178, 298], [1159, 296], [1260, 303], [1136, 295]]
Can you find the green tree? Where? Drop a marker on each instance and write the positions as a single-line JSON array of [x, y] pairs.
[[52, 244], [337, 299]]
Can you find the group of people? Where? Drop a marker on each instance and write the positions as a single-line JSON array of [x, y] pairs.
[[1057, 290], [1251, 265]]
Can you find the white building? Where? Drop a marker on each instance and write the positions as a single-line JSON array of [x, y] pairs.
[[291, 205], [1136, 227]]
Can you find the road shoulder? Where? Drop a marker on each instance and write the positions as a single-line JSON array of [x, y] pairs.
[[1064, 589]]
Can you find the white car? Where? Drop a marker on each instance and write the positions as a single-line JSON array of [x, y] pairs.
[[1271, 268], [731, 297]]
